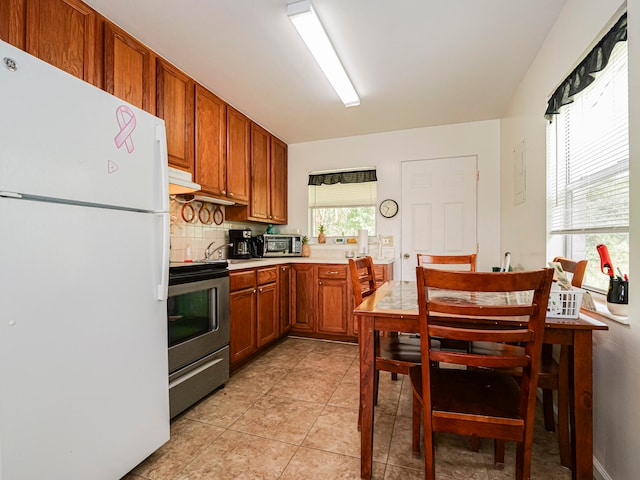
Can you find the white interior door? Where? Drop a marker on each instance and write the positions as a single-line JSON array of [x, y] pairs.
[[438, 209]]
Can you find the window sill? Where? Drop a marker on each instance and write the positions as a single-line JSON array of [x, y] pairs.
[[600, 302]]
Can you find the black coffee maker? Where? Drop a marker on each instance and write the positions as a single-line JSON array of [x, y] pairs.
[[241, 243]]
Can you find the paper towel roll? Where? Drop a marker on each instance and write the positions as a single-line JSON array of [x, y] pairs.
[[363, 241]]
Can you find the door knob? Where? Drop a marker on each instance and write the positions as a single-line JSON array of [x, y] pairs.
[[406, 255]]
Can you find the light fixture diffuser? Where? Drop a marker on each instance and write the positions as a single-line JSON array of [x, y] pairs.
[[304, 18]]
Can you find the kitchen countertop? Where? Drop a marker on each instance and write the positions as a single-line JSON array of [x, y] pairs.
[[267, 262]]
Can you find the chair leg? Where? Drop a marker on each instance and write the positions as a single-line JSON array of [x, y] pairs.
[[415, 427], [547, 410], [563, 408], [376, 382], [475, 443], [498, 453]]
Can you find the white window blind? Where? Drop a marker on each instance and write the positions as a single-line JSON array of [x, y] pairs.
[[588, 156], [343, 195]]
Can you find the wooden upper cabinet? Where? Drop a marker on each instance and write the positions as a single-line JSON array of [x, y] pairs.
[[128, 68], [278, 184], [12, 22], [175, 104], [211, 143], [259, 207], [238, 155], [62, 33]]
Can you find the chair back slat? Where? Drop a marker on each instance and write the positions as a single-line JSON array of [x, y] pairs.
[[426, 259], [517, 335], [479, 360], [576, 267], [363, 278]]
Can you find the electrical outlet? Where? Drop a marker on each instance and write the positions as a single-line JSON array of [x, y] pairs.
[[387, 241]]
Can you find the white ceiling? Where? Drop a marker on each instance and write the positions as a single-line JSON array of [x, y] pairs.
[[414, 63]]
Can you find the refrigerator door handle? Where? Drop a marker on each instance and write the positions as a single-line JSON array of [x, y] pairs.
[[163, 287], [161, 137]]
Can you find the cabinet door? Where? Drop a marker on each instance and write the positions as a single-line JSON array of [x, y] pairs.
[[332, 299], [284, 286], [238, 155], [211, 142], [242, 307], [302, 298], [259, 198], [278, 181], [127, 68], [267, 321], [12, 22], [174, 103], [62, 33]]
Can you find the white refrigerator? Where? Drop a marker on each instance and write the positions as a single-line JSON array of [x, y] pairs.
[[84, 246]]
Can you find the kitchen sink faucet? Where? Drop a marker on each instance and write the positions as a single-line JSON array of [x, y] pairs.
[[208, 252]]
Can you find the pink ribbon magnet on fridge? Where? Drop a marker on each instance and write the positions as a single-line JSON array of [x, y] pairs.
[[127, 123]]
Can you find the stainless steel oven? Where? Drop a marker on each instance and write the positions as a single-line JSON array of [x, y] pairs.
[[198, 327]]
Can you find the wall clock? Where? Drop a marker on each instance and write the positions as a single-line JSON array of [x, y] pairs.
[[388, 208]]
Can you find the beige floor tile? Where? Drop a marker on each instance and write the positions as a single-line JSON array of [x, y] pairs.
[[349, 350], [318, 364], [300, 386], [298, 343], [393, 472], [225, 406], [188, 439], [312, 464], [238, 456], [389, 394], [336, 430], [281, 358], [353, 373], [283, 419], [259, 378], [346, 395]]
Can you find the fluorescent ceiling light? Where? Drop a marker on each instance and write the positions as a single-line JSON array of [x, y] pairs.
[[304, 18]]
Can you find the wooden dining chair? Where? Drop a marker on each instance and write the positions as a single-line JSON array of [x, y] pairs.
[[479, 399], [395, 354], [554, 375], [431, 260]]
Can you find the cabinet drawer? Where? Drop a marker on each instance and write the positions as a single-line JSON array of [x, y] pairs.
[[332, 271], [242, 280], [267, 275]]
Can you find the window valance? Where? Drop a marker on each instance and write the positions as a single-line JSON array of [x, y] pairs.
[[331, 178], [582, 76]]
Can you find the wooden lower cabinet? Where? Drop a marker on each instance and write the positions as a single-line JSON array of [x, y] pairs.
[[322, 300], [254, 312], [332, 299], [267, 305], [284, 285], [242, 308], [302, 298]]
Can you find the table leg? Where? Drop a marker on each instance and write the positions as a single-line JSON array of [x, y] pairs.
[[582, 434], [367, 374]]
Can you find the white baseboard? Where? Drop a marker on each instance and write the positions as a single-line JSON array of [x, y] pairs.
[[599, 473]]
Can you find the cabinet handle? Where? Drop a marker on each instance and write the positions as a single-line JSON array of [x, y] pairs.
[[319, 283], [260, 290], [332, 273], [231, 194], [254, 290], [224, 192]]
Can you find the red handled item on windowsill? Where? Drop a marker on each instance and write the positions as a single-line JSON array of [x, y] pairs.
[[606, 265]]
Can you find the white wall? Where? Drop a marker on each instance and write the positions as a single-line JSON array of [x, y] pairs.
[[386, 151], [616, 352]]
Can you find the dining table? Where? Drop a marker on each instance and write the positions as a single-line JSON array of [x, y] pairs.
[[393, 307]]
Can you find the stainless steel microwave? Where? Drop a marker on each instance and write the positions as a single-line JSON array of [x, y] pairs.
[[282, 245]]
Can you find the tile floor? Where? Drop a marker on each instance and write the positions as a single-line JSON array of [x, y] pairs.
[[291, 415]]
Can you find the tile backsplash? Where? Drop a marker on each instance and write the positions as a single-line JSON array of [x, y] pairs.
[[190, 238]]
